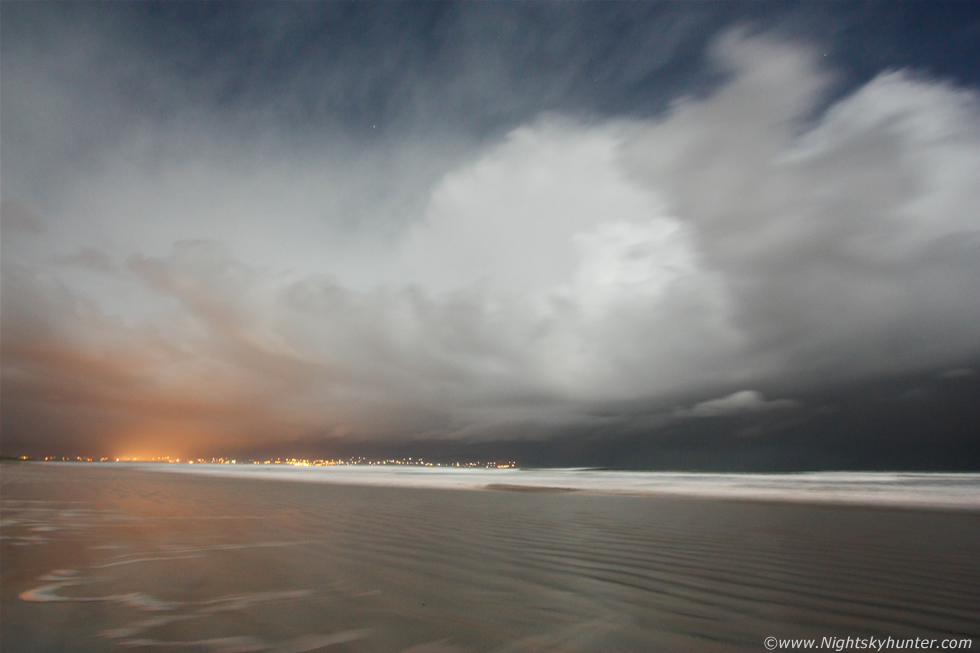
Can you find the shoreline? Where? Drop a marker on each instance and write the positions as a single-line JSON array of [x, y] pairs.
[[855, 489], [98, 558], [968, 501]]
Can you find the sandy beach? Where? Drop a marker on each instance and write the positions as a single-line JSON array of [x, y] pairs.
[[102, 558]]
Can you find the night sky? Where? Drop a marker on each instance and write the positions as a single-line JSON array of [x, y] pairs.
[[686, 235]]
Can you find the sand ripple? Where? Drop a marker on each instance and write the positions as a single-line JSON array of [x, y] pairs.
[[296, 567]]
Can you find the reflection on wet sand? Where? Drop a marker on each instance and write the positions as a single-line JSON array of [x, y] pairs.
[[135, 560]]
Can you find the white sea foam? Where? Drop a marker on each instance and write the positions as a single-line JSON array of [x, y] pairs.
[[909, 489]]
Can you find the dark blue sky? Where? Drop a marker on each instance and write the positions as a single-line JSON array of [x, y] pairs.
[[476, 67], [239, 225]]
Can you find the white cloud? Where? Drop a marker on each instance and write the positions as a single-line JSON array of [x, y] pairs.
[[743, 401], [840, 242], [508, 219]]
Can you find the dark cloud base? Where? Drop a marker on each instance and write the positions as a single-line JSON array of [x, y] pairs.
[[926, 421]]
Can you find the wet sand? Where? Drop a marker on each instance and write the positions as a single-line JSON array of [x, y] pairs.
[[100, 558]]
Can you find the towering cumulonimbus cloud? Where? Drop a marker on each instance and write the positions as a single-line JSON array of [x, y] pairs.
[[215, 295], [842, 241]]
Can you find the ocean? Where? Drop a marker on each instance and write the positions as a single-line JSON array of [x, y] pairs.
[[288, 559]]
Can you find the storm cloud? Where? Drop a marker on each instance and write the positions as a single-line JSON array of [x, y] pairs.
[[271, 248]]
